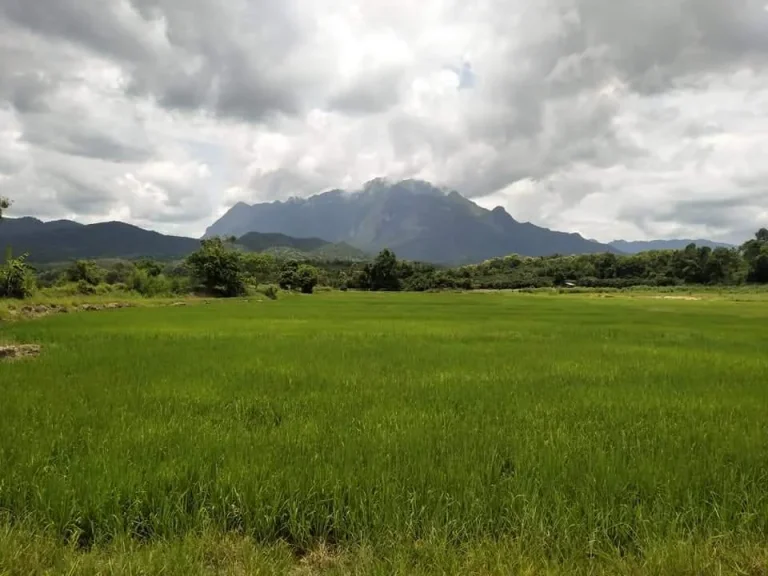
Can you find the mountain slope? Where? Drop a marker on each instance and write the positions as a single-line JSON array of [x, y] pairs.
[[645, 246], [60, 241], [105, 240], [258, 242], [15, 226], [415, 219], [288, 247]]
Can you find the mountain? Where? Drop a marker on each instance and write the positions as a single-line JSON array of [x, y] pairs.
[[413, 218], [643, 246], [63, 240], [60, 241], [15, 226]]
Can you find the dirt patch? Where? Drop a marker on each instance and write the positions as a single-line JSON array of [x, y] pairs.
[[40, 310], [689, 298], [99, 307], [17, 351]]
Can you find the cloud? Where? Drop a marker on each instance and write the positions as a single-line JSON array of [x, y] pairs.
[[608, 117]]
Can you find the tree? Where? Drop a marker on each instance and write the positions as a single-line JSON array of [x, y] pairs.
[[756, 255], [85, 271], [383, 272], [260, 267], [724, 266], [289, 278], [152, 268], [307, 278], [4, 205], [219, 268]]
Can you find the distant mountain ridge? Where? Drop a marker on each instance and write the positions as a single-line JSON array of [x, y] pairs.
[[635, 247], [415, 219], [63, 240]]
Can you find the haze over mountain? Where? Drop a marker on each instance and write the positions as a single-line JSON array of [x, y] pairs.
[[635, 247], [417, 220]]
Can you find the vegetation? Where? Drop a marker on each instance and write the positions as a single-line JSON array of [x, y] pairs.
[[218, 268], [693, 266], [221, 268], [301, 277], [443, 433], [4, 205], [307, 278], [756, 255], [17, 278]]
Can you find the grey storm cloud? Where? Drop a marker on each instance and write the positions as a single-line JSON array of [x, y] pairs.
[[544, 107]]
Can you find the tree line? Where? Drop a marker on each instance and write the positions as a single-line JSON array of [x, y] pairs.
[[694, 265]]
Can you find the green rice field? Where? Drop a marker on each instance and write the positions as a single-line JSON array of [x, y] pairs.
[[359, 433]]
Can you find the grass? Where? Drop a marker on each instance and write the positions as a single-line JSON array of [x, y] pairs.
[[372, 433]]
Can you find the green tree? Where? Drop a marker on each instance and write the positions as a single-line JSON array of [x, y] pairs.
[[261, 267], [307, 278], [4, 205], [219, 268], [724, 266], [289, 279], [383, 272], [756, 255], [152, 268], [85, 271]]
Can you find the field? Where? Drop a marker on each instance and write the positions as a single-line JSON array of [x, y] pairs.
[[390, 434]]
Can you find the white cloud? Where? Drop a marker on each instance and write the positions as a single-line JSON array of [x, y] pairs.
[[614, 118]]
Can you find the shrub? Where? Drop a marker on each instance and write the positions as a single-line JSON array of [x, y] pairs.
[[17, 278], [147, 284], [271, 291], [120, 273], [85, 288]]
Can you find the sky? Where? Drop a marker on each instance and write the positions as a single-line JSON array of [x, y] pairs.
[[625, 119]]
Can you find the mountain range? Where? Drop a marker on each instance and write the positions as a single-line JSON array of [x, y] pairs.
[[643, 246], [64, 240], [415, 219]]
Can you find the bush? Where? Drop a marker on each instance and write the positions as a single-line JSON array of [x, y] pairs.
[[271, 291], [119, 273], [17, 278], [147, 284], [85, 288]]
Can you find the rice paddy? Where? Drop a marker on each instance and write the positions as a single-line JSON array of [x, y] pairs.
[[389, 433]]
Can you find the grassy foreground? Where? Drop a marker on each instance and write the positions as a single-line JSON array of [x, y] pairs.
[[373, 433]]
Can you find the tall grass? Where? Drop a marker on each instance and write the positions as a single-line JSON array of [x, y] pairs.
[[579, 429]]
